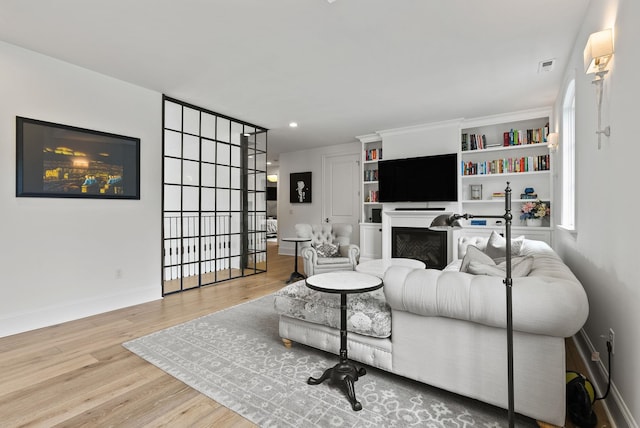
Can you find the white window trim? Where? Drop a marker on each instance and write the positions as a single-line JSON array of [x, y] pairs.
[[568, 211]]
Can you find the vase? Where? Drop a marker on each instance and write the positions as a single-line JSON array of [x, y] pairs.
[[534, 222]]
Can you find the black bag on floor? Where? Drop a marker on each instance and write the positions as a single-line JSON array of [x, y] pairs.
[[580, 398]]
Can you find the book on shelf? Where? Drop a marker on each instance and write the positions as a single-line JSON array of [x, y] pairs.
[[517, 137], [507, 165], [373, 154], [476, 142], [370, 175], [372, 196]]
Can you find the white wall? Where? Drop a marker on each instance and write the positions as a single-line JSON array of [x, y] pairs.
[[303, 161], [423, 140], [63, 259], [603, 253]]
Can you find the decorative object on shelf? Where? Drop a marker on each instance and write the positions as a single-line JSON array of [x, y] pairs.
[[445, 222], [534, 211], [478, 222], [476, 191], [534, 222], [529, 193], [597, 54], [376, 215], [300, 187]]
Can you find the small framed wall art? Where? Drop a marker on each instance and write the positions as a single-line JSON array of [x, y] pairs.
[[300, 185]]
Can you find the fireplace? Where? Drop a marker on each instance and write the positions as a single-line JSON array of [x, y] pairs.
[[420, 243]]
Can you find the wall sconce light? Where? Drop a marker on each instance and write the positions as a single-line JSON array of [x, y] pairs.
[[272, 178], [552, 141], [597, 55]]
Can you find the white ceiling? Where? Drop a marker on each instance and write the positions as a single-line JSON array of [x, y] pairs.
[[339, 69]]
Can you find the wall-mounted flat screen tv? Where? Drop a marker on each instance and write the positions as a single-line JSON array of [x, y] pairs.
[[420, 179], [55, 160]]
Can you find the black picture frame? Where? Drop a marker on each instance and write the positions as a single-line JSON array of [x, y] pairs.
[[300, 188], [63, 161]]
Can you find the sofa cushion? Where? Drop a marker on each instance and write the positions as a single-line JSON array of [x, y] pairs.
[[497, 245], [332, 260], [367, 313]]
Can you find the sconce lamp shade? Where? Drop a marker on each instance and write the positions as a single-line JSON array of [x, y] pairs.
[[272, 178], [552, 140], [598, 51], [446, 222]]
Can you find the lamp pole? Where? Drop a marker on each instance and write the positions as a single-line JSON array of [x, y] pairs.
[[447, 221], [508, 282]]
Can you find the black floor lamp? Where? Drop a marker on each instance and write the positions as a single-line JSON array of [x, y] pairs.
[[449, 221]]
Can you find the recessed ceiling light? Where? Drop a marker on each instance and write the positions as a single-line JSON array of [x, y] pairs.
[[293, 125], [268, 162]]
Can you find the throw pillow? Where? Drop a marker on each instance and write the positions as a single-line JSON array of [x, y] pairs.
[[497, 245], [474, 254], [520, 266], [327, 250], [478, 268]]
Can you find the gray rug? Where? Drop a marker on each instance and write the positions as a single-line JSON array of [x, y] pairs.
[[236, 357]]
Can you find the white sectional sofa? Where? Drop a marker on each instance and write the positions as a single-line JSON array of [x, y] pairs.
[[448, 328]]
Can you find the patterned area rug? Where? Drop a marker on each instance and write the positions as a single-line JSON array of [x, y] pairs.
[[236, 357]]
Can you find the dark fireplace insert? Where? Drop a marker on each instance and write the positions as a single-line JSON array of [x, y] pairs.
[[420, 243]]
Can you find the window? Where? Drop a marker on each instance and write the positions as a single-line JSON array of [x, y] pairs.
[[568, 145]]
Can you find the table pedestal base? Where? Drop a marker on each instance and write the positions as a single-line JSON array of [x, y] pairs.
[[295, 276], [343, 374]]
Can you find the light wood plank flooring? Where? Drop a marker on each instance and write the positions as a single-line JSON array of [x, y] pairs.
[[78, 374]]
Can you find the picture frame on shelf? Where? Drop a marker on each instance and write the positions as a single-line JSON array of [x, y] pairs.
[[476, 192]]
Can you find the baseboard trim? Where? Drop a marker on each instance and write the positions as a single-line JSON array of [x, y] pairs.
[[20, 322], [614, 405]]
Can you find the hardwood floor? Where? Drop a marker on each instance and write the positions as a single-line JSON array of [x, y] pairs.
[[78, 374]]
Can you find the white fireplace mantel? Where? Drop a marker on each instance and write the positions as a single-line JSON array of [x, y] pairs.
[[409, 218]]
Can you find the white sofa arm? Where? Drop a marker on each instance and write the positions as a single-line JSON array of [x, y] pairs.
[[351, 251], [541, 305], [310, 258]]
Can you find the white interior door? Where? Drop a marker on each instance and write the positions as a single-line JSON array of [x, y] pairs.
[[341, 185]]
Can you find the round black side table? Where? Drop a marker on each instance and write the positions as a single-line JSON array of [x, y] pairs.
[[345, 373]]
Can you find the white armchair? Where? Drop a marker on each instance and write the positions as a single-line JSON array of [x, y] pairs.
[[334, 234]]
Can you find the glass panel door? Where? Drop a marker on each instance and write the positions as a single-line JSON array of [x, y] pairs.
[[214, 204]]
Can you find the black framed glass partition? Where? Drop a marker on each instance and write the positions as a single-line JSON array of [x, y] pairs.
[[214, 204]]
